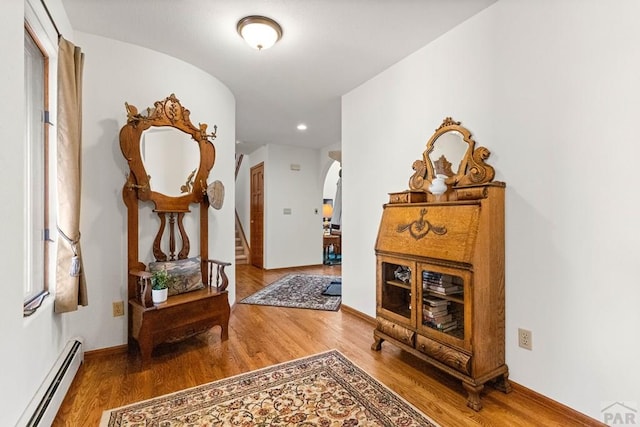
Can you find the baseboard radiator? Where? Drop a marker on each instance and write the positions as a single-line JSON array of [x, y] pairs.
[[44, 407]]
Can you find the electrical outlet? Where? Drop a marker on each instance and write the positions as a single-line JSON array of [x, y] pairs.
[[118, 308], [525, 339]]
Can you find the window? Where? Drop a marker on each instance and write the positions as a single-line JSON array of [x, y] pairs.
[[36, 143]]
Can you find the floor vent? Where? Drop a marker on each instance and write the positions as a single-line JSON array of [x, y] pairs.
[[50, 395]]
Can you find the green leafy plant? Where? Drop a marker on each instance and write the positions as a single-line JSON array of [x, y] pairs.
[[160, 280]]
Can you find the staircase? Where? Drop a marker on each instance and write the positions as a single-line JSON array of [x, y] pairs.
[[241, 252], [242, 248]]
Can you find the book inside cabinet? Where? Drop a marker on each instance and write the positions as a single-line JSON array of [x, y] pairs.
[[440, 265]]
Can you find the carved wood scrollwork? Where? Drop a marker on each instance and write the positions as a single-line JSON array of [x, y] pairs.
[[168, 112], [471, 169], [421, 227], [158, 253], [165, 113], [478, 172]]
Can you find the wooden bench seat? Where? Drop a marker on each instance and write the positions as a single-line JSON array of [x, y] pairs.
[[181, 317]]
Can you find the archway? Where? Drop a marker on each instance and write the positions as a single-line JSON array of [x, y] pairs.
[[331, 215]]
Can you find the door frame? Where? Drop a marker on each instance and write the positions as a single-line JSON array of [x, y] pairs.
[[257, 216]]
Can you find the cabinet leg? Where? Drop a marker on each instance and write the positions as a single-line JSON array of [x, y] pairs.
[[377, 344], [145, 344], [473, 400], [224, 325], [502, 383], [224, 334], [145, 354]]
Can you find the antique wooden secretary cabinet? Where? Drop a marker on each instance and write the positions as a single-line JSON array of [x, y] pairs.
[[440, 264]]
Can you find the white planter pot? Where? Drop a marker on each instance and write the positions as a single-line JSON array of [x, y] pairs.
[[159, 296]]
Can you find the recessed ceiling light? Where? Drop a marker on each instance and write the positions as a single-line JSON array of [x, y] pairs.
[[302, 126]]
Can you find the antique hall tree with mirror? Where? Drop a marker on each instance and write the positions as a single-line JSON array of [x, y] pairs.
[[440, 264], [169, 163]]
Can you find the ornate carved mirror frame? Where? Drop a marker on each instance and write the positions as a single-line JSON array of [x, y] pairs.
[[166, 113], [472, 169]]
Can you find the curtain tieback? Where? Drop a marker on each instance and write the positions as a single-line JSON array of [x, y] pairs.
[[74, 268]]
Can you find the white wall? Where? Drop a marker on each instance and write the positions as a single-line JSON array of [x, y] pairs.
[[330, 181], [114, 73], [550, 87], [243, 188], [30, 345], [328, 169], [290, 240], [140, 77], [295, 239]]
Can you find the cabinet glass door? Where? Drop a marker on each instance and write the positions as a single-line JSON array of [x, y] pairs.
[[395, 290], [443, 300]]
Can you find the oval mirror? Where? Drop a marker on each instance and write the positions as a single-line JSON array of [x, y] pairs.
[[171, 158], [453, 147]]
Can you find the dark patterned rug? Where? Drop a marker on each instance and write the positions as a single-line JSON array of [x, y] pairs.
[[326, 389], [298, 291]]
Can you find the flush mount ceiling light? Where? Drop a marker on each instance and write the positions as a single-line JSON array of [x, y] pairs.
[[259, 32]]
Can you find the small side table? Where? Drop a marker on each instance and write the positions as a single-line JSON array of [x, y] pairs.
[[329, 240]]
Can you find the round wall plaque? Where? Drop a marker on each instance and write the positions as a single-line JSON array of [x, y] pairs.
[[215, 192]]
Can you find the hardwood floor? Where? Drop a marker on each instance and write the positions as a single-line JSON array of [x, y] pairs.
[[260, 336]]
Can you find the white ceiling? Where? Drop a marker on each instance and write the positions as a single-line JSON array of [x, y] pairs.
[[328, 48]]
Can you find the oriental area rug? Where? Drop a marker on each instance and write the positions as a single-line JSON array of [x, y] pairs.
[[298, 291], [325, 389]]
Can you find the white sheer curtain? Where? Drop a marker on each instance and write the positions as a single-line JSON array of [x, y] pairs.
[[71, 288], [336, 218]]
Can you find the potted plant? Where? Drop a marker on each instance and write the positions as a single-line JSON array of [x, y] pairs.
[[160, 281]]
